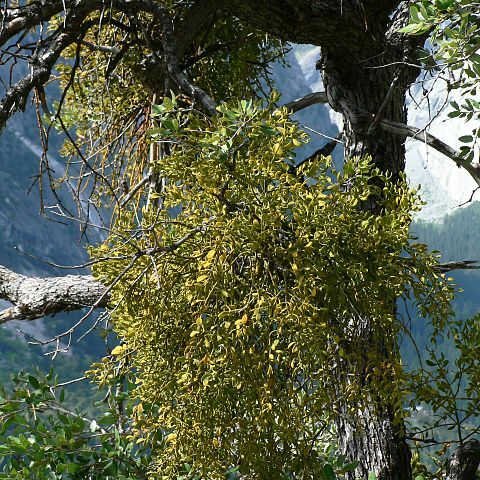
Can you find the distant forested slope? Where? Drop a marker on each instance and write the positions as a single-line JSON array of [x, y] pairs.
[[457, 237]]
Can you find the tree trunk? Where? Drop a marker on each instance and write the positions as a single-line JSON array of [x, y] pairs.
[[464, 462], [366, 86]]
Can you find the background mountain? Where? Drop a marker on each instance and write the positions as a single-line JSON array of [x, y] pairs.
[[453, 231]]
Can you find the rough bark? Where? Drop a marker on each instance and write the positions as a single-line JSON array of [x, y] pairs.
[[353, 39], [320, 22], [373, 76], [35, 297], [464, 462]]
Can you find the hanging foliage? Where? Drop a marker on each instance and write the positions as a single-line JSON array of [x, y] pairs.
[[235, 296]]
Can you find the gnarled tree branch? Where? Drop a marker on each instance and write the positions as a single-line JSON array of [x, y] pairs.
[[16, 20], [434, 142], [174, 71], [307, 101], [16, 97], [13, 21], [398, 129], [35, 297]]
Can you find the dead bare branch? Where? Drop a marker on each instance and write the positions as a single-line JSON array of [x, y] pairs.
[[35, 297], [307, 101], [460, 265], [16, 97]]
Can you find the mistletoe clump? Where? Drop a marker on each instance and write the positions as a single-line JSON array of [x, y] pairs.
[[239, 293]]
